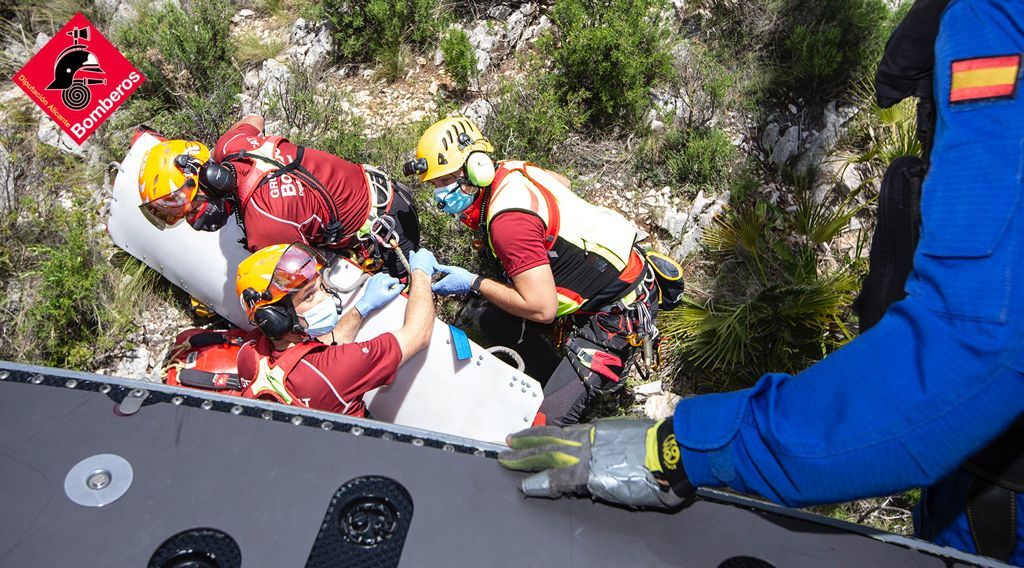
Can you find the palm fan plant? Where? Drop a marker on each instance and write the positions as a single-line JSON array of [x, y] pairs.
[[770, 307]]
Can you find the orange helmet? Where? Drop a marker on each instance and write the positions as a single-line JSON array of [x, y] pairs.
[[272, 273], [169, 180]]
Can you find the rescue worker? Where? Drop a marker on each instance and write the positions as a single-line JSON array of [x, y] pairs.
[[303, 352], [564, 257], [936, 379], [281, 193]]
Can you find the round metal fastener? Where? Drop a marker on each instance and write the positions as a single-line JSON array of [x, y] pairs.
[[479, 453], [448, 448], [98, 480], [206, 405], [4, 375], [357, 431], [137, 393], [266, 415], [176, 401], [236, 410], [297, 420], [325, 425], [36, 379], [387, 436], [72, 383], [104, 389], [369, 521], [417, 442]]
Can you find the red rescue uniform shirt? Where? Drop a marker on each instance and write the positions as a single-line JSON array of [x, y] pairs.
[[335, 379], [284, 211], [518, 241]]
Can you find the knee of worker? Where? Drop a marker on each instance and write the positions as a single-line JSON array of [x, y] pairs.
[[565, 397]]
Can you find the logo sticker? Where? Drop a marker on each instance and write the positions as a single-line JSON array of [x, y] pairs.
[[78, 78]]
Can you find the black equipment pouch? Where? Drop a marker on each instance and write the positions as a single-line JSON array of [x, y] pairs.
[[669, 276], [209, 381]]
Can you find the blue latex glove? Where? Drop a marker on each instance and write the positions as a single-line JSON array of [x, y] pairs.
[[457, 280], [380, 290], [423, 260]]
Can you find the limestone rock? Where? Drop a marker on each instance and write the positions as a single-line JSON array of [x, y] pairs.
[[311, 43], [121, 12], [533, 33], [499, 12], [260, 82], [661, 405], [478, 111], [770, 136], [702, 214], [6, 180], [821, 144], [786, 147], [51, 135], [135, 366], [242, 15], [672, 220], [649, 389]]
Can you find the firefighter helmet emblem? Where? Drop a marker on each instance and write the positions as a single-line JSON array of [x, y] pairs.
[[71, 64]]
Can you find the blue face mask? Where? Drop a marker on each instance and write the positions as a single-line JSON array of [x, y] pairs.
[[451, 198], [321, 318]]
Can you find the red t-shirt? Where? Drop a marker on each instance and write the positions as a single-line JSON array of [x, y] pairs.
[[284, 211], [518, 239], [334, 379]]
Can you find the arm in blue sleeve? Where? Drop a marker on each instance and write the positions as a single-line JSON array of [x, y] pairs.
[[940, 375], [899, 407]]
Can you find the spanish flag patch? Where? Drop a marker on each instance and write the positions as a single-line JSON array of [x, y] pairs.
[[984, 78]]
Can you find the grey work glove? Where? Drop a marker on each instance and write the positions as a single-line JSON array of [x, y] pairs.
[[626, 461]]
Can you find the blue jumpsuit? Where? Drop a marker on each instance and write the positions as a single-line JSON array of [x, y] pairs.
[[942, 373]]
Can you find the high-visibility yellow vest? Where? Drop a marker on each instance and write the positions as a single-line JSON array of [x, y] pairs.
[[590, 247]]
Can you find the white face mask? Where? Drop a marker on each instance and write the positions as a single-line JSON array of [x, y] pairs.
[[321, 318]]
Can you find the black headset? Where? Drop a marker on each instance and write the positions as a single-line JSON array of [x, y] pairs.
[[276, 319], [218, 180]]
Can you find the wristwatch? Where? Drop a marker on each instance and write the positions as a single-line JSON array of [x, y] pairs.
[[474, 288]]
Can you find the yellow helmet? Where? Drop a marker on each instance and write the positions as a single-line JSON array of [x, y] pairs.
[[273, 272], [445, 146], [169, 180]]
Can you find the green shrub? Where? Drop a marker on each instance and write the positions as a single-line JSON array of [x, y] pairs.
[[700, 157], [366, 30], [459, 58], [608, 54], [530, 119], [822, 46], [191, 87]]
